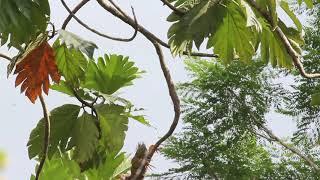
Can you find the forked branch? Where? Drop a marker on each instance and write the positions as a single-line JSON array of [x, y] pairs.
[[128, 20], [74, 11], [97, 32]]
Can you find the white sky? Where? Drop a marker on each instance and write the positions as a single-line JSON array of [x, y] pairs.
[[19, 116]]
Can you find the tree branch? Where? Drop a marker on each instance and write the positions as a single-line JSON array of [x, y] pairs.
[[293, 54], [74, 11], [128, 20], [46, 139], [5, 57], [291, 148], [176, 105], [275, 138], [99, 33], [174, 9], [171, 88]]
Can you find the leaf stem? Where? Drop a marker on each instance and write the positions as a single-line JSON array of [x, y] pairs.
[[46, 139], [91, 106]]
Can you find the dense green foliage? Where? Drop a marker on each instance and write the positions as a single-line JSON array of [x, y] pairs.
[[225, 103], [220, 138], [242, 27], [303, 102]]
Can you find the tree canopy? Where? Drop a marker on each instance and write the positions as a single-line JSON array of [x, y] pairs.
[[231, 92]]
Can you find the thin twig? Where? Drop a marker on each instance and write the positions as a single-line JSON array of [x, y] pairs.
[[99, 33], [5, 57], [174, 9], [74, 11], [292, 149], [128, 20], [293, 54], [53, 31], [46, 139], [275, 138]]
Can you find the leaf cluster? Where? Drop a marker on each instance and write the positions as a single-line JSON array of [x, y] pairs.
[[236, 29]]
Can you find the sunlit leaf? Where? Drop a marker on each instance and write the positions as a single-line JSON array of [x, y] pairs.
[[110, 74], [59, 167], [114, 124], [73, 41], [71, 63]]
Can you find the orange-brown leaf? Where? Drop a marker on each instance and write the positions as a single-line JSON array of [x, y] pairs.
[[34, 71]]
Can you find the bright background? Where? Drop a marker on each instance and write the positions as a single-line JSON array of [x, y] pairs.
[[19, 116]]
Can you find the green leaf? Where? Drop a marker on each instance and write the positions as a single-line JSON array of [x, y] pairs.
[[237, 38], [315, 99], [22, 20], [71, 63], [113, 124], [58, 168], [73, 41], [272, 48], [113, 167], [140, 119], [62, 122], [204, 18], [110, 74], [285, 6], [309, 3], [64, 88], [84, 137]]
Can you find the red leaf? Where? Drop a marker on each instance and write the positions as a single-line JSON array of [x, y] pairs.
[[34, 71]]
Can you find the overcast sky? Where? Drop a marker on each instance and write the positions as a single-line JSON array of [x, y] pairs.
[[19, 116]]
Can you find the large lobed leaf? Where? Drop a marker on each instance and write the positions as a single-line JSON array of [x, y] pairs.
[[80, 134], [235, 29], [22, 20], [59, 167], [84, 137], [71, 63], [113, 124], [110, 74], [68, 131], [238, 38], [63, 120]]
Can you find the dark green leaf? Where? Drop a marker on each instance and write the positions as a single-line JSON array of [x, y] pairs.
[[62, 123]]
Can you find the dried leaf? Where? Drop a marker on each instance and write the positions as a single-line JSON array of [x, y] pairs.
[[34, 70]]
